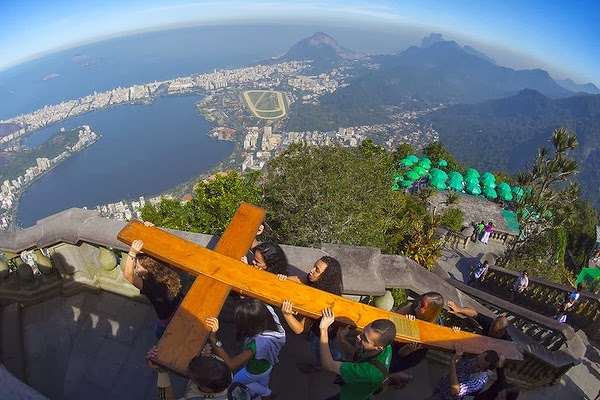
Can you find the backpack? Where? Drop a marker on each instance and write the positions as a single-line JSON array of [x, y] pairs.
[[374, 361]]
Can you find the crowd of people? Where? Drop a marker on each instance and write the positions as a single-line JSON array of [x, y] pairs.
[[364, 366]]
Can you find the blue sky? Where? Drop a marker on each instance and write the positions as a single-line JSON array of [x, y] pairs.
[[559, 36]]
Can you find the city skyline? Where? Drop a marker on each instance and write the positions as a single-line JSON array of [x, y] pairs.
[[557, 36]]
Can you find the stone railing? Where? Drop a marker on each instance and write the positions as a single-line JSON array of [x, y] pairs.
[[456, 239], [551, 347], [542, 296], [85, 253]]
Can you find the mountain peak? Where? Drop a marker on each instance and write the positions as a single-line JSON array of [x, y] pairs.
[[320, 46], [431, 39]]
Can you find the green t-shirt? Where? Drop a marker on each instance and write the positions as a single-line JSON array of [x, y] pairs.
[[362, 378], [253, 365]]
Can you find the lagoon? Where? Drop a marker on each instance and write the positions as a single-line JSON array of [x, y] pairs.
[[144, 150]]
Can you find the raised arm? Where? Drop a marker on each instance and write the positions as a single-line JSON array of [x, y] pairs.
[[297, 326], [468, 311], [129, 270], [232, 362], [327, 360]]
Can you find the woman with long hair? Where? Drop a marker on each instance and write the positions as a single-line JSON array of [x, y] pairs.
[[426, 307], [270, 256], [325, 275], [263, 337], [155, 280]]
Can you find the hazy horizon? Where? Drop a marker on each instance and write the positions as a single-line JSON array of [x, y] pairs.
[[514, 34]]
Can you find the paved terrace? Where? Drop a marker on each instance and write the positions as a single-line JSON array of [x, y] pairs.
[[92, 344]]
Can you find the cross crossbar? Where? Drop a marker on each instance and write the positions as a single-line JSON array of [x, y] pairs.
[[307, 300]]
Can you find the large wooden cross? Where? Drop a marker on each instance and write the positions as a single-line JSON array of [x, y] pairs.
[[221, 270]]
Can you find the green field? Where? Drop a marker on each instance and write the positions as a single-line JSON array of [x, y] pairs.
[[265, 104]]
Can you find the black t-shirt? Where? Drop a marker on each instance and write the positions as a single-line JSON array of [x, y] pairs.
[[486, 323], [158, 296]]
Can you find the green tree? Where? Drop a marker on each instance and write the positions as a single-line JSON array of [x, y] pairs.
[[402, 151], [436, 151], [548, 203], [330, 194], [212, 206]]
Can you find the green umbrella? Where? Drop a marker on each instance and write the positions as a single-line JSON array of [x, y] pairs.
[[488, 177], [437, 183], [411, 176], [413, 158], [419, 170], [406, 162], [442, 163], [473, 188], [489, 184], [471, 179], [396, 187], [472, 171], [503, 186], [438, 174], [425, 160], [489, 192], [406, 184], [455, 176], [455, 184], [397, 175], [517, 191], [505, 195]]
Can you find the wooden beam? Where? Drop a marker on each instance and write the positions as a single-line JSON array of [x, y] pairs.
[[307, 301], [187, 332]]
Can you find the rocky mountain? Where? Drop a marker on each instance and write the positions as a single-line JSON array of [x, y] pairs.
[[589, 88], [319, 46], [504, 134]]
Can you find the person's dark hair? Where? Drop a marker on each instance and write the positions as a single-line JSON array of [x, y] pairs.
[[161, 273], [486, 262], [252, 317], [386, 331], [524, 272], [331, 279], [492, 357], [274, 256], [434, 303], [579, 286], [210, 372]]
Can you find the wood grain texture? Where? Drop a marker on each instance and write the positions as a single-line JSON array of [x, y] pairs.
[[187, 333], [307, 301]]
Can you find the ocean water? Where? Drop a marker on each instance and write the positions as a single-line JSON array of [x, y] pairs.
[[145, 149]]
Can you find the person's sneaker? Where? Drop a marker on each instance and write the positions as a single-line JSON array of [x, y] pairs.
[[306, 368]]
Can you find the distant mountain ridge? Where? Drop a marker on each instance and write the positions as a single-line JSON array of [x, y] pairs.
[[589, 88], [319, 46], [504, 134]]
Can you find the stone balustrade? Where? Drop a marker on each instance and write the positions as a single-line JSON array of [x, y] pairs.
[[542, 296], [456, 239], [85, 254]]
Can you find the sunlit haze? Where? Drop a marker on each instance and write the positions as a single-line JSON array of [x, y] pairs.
[[559, 36]]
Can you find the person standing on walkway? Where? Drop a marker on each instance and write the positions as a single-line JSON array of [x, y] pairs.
[[479, 231], [521, 283], [487, 232], [368, 370], [478, 273]]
